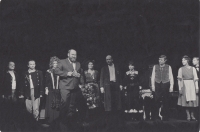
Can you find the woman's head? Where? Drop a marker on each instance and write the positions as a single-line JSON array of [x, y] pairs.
[[186, 60], [90, 64], [53, 62], [131, 65], [195, 61]]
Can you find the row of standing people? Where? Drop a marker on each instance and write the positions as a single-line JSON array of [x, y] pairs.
[[63, 101]]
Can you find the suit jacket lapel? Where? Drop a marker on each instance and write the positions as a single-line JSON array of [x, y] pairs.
[[108, 72]]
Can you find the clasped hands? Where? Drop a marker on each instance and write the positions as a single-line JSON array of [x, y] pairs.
[[74, 74]]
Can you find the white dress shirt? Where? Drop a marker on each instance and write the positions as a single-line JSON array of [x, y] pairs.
[[31, 81], [13, 79], [112, 72], [73, 64]]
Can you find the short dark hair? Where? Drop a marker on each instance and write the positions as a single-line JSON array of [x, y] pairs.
[[31, 60], [163, 56], [131, 63], [196, 58], [90, 61], [11, 61], [186, 58]]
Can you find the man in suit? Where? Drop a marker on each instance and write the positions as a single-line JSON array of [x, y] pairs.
[[32, 88], [71, 80], [10, 86], [111, 86]]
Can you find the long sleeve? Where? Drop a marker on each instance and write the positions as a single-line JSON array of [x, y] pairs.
[[47, 80], [153, 79], [171, 78], [180, 79], [41, 83], [125, 80], [102, 78], [195, 78], [82, 82], [21, 84], [59, 70]]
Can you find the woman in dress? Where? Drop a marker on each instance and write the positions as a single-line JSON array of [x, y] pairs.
[[188, 88], [91, 89], [52, 92], [132, 88]]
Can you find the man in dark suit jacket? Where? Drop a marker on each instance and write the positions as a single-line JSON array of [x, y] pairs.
[[71, 80], [111, 85], [10, 87]]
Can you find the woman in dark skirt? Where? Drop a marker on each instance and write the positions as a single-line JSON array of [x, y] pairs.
[[132, 87], [52, 91], [91, 90]]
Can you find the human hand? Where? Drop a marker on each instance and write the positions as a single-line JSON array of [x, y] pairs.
[[197, 91], [102, 90], [40, 96], [69, 74], [46, 91], [121, 87]]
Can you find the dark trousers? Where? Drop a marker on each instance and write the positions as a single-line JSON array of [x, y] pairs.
[[73, 99], [149, 106], [114, 91], [12, 97], [162, 99]]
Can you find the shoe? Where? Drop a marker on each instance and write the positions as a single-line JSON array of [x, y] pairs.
[[193, 119], [140, 111], [126, 111], [131, 111], [135, 111], [188, 119]]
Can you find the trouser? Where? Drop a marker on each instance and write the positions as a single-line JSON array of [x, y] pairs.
[[73, 99], [33, 104], [149, 106], [162, 99], [114, 91]]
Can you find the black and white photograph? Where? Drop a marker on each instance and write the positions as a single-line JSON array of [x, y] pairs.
[[99, 65]]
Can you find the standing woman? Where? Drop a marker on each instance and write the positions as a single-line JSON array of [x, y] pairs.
[[52, 91], [132, 87], [188, 88], [91, 89]]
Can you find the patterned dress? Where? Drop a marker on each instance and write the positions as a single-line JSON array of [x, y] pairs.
[[188, 84], [91, 89]]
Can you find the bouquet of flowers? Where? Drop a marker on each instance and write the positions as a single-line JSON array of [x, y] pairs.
[[89, 94]]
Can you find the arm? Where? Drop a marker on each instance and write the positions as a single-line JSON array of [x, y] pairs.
[[41, 83], [82, 82], [102, 78], [195, 79], [59, 70], [153, 79], [180, 79], [171, 78]]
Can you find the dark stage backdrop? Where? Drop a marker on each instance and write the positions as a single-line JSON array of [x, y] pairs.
[[139, 30]]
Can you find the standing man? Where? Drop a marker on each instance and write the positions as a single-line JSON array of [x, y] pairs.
[[10, 83], [162, 83], [32, 89], [111, 85], [71, 80]]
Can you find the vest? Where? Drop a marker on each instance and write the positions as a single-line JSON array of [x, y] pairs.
[[162, 76]]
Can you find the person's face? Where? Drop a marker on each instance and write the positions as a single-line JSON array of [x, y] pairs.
[[90, 65], [184, 62], [195, 61], [109, 60], [31, 64], [131, 67], [161, 61], [11, 65], [72, 55], [55, 63]]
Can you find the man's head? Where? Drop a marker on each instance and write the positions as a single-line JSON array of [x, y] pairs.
[[195, 61], [162, 59], [72, 55], [31, 64], [11, 65], [109, 60]]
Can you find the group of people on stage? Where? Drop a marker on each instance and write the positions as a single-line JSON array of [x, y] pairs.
[[69, 89]]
